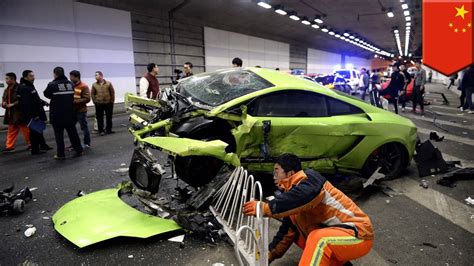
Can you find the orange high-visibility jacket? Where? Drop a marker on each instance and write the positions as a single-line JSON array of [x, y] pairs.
[[310, 202]]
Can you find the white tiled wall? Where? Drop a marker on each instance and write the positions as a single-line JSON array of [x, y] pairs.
[[222, 46]]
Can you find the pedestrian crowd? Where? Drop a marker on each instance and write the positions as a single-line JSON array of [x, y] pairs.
[[68, 98]]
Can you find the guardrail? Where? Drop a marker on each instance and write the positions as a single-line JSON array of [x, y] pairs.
[[249, 234]]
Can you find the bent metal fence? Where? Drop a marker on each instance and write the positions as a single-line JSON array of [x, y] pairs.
[[249, 234]]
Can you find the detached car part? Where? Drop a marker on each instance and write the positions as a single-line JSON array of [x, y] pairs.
[[14, 202], [102, 215]]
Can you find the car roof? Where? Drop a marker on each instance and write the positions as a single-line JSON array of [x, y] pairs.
[[283, 79]]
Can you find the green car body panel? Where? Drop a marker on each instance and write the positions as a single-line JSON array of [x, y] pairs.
[[344, 142], [103, 215]]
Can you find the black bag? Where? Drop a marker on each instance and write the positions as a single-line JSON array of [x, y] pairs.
[[429, 160]]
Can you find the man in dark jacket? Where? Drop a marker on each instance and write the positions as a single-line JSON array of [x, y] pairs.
[[12, 116], [396, 84], [467, 84], [403, 93], [61, 113], [31, 107]]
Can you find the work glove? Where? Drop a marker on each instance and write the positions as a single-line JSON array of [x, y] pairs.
[[250, 208]]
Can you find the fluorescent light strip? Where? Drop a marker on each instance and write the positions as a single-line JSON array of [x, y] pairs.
[[404, 6], [315, 26], [294, 17], [305, 22], [280, 11], [264, 5]]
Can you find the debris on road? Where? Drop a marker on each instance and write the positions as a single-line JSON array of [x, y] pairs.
[[30, 231], [434, 136], [178, 239], [14, 202], [424, 183], [429, 160], [130, 256], [449, 179], [80, 193], [33, 188], [469, 201], [429, 245], [121, 171]]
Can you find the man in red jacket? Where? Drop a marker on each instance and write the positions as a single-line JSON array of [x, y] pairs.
[[318, 217]]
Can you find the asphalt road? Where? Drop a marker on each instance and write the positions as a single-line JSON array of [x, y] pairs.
[[404, 223]]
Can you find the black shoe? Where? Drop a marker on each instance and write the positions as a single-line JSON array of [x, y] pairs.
[[46, 148], [78, 154], [102, 133], [59, 158], [8, 150], [37, 152], [110, 132]]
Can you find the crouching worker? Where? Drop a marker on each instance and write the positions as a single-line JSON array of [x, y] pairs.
[[318, 217]]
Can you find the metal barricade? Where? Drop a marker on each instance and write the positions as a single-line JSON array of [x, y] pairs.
[[249, 234]]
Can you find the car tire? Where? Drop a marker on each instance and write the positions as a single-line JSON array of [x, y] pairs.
[[391, 157], [197, 171]]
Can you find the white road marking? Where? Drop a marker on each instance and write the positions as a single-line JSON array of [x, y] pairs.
[[449, 208]]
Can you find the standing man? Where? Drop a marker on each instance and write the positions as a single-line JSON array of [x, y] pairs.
[[467, 84], [373, 91], [363, 83], [318, 217], [149, 84], [403, 93], [419, 87], [188, 69], [61, 113], [237, 62], [81, 98], [430, 76], [452, 79], [32, 111], [396, 84], [12, 116], [103, 96]]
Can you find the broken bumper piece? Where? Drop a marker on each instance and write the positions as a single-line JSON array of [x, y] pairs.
[[102, 215]]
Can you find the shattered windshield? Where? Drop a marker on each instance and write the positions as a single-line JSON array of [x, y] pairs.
[[222, 86]]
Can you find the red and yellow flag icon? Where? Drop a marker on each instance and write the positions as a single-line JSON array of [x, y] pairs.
[[448, 35]]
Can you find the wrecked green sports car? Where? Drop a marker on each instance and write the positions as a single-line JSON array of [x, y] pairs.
[[250, 116]]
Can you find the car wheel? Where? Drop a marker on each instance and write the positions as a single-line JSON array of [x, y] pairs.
[[197, 170], [392, 158]]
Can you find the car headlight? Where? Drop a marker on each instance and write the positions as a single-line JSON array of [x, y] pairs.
[[144, 173]]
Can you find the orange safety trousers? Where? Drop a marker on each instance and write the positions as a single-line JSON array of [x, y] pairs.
[[13, 131], [333, 246]]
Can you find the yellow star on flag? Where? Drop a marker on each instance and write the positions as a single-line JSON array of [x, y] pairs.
[[455, 30], [450, 25], [461, 12], [463, 30], [469, 25]]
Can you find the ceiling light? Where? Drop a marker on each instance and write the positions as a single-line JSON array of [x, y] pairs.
[[406, 12], [293, 16], [343, 38], [316, 26], [395, 31], [408, 18], [305, 21], [264, 4], [324, 29], [337, 35], [409, 54], [331, 33], [318, 20], [279, 10], [390, 13], [351, 37], [408, 24], [404, 6]]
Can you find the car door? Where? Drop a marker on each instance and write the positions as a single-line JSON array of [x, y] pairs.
[[301, 123]]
